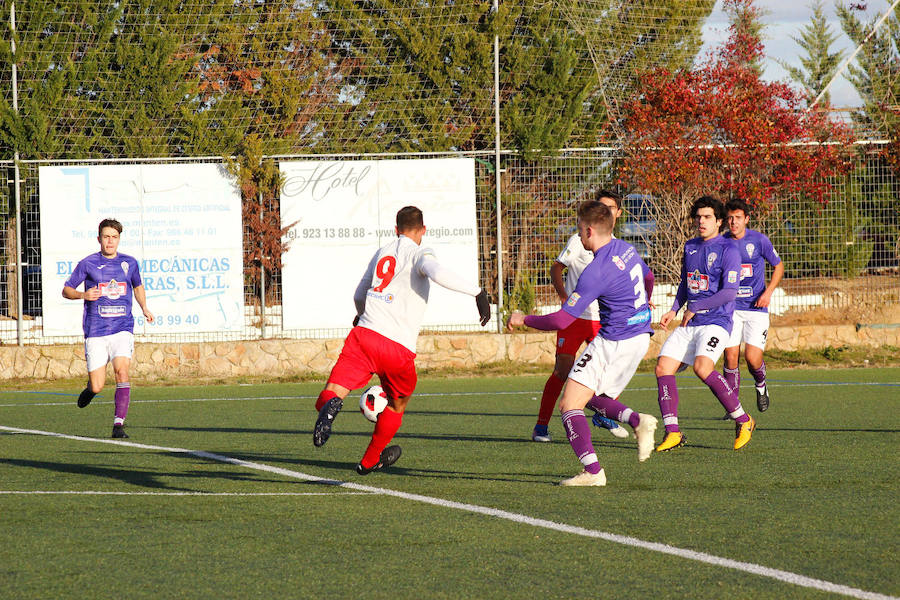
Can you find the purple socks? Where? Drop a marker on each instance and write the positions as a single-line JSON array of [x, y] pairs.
[[668, 401], [579, 433], [611, 408], [726, 396], [123, 397]]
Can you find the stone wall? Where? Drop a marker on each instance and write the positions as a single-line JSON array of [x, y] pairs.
[[280, 357]]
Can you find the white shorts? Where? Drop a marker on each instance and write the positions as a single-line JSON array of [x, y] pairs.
[[606, 366], [100, 350], [750, 327], [687, 343]]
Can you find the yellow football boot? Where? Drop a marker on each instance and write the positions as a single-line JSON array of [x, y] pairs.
[[673, 440], [743, 432]]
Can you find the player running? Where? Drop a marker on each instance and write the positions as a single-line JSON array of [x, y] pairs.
[[615, 281], [390, 303], [573, 259], [110, 280], [751, 307], [709, 282]]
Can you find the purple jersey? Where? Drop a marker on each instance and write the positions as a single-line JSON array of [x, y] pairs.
[[709, 266], [755, 250], [116, 278], [615, 279]]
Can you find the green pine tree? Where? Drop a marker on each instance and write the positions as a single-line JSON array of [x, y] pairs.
[[819, 64], [875, 72]]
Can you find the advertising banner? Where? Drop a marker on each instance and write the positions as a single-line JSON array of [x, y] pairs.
[[181, 222], [341, 212]]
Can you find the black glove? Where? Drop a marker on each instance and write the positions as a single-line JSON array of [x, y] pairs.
[[484, 306], [356, 320]]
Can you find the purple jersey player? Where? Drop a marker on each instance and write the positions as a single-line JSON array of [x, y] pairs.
[[751, 311], [709, 284], [615, 280], [110, 280]]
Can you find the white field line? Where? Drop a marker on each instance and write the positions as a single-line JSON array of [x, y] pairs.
[[108, 493], [763, 571], [441, 394]]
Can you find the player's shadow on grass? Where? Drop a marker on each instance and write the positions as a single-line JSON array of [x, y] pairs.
[[135, 476], [363, 434], [232, 430]]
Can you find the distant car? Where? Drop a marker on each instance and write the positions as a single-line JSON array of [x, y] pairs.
[[637, 225]]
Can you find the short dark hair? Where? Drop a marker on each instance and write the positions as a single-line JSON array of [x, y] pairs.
[[597, 215], [109, 223], [609, 194], [709, 202], [409, 218], [738, 204]]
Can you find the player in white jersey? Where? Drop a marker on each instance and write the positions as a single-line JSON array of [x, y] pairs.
[[572, 261], [390, 303]]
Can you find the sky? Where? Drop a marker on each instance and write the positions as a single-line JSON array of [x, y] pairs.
[[784, 20]]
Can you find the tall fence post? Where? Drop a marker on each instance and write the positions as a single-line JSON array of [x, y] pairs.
[[262, 274], [497, 178], [16, 179]]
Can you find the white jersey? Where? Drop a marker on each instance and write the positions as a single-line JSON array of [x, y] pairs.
[[575, 258], [396, 291]]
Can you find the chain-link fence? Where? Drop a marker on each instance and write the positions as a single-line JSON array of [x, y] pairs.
[[175, 81], [839, 256]]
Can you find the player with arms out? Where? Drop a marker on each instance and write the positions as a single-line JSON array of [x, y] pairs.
[[615, 281], [110, 280], [709, 282], [751, 307], [390, 302], [572, 261]]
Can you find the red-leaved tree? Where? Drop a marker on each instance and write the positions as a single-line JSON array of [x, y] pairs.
[[719, 129]]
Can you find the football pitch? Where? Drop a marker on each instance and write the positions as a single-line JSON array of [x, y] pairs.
[[219, 493]]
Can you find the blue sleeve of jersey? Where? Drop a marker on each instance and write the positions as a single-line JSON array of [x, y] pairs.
[[731, 268], [768, 252], [136, 276], [78, 275]]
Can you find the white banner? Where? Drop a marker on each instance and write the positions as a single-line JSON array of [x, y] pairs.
[[181, 222], [341, 212]]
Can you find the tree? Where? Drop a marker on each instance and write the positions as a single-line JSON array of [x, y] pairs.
[[819, 64], [719, 129], [876, 72]]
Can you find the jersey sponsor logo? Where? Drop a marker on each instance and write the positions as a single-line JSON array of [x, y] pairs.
[[698, 282], [619, 263], [387, 298], [750, 248], [745, 291], [111, 311], [641, 317], [573, 299], [746, 271], [732, 276], [711, 259], [113, 289]]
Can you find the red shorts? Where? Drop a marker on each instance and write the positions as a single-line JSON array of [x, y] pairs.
[[581, 331], [366, 352]]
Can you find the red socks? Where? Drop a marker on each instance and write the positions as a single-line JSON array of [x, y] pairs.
[[552, 389], [388, 423]]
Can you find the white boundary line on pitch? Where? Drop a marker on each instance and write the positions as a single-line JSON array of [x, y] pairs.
[[754, 569], [108, 493], [442, 394]]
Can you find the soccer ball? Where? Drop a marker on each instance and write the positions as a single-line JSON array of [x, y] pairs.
[[372, 402]]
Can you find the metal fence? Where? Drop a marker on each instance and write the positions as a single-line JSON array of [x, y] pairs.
[[840, 256]]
